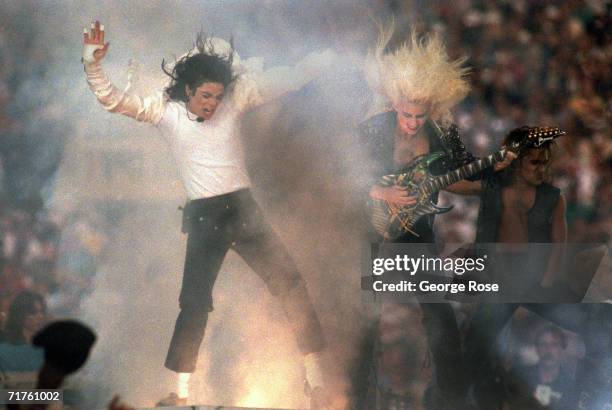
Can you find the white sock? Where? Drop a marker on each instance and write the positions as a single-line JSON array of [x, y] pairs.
[[314, 374], [183, 385]]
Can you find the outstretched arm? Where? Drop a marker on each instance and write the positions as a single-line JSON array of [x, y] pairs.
[[467, 187], [268, 85], [147, 109]]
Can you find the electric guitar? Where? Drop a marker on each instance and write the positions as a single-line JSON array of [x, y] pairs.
[[392, 221]]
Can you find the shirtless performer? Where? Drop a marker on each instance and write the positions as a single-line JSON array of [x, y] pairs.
[[517, 207], [198, 114]]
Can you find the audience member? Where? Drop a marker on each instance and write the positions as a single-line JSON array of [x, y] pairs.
[[545, 385], [26, 316]]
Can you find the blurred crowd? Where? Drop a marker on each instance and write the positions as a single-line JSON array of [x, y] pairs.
[[535, 356], [55, 255], [537, 63], [533, 62]]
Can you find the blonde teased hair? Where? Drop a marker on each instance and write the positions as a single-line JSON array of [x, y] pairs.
[[418, 71]]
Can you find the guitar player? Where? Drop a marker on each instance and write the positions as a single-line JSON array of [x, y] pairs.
[[420, 85]]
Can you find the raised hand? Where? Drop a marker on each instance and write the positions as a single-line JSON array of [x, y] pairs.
[[94, 48], [508, 158]]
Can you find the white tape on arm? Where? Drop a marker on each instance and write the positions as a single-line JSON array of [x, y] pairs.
[[88, 52]]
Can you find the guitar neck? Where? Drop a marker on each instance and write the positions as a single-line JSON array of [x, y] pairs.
[[466, 171]]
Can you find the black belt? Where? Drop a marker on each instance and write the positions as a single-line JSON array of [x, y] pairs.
[[232, 199]]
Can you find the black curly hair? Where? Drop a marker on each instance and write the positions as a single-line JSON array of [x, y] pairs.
[[195, 69], [519, 135]]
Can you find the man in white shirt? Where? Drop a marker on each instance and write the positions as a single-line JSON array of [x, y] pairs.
[[199, 115]]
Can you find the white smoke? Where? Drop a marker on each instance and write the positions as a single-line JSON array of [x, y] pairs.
[[299, 154]]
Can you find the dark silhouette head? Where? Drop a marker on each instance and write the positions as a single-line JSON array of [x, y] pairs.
[[66, 343]]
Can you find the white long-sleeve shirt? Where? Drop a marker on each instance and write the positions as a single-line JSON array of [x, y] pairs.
[[209, 154]]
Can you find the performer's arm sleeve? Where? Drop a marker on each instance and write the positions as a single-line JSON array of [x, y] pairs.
[[146, 109], [277, 81], [458, 154]]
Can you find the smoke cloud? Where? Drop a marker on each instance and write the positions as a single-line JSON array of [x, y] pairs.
[[302, 158]]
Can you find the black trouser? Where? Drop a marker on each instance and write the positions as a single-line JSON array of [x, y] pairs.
[[443, 339], [444, 342], [215, 225]]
